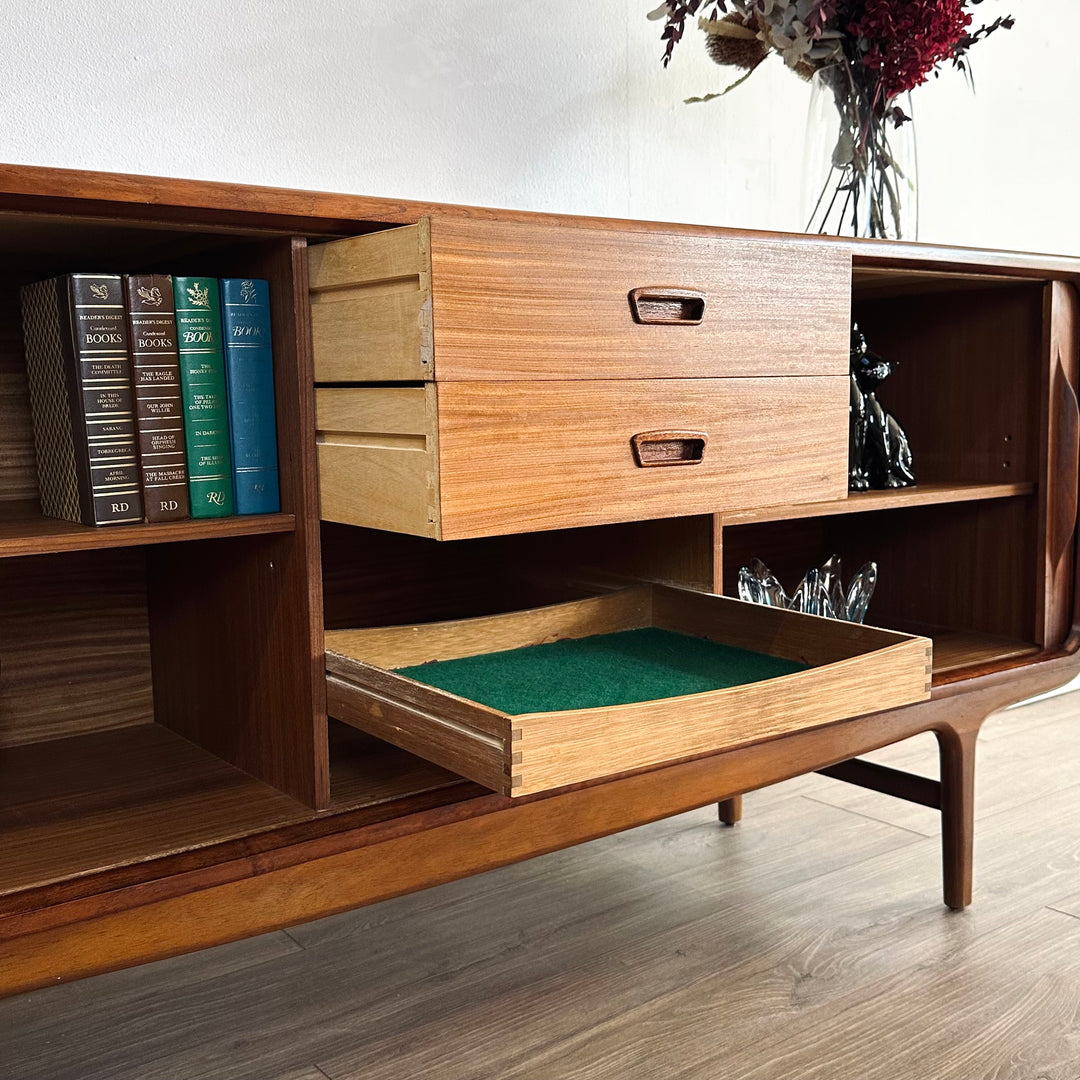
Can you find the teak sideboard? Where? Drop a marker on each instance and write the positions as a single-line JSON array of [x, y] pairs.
[[498, 428]]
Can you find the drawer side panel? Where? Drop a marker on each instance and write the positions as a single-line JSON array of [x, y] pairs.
[[371, 307], [437, 738], [377, 458], [362, 336]]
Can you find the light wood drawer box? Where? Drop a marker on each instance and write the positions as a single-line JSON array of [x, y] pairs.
[[470, 300], [466, 459], [853, 670]]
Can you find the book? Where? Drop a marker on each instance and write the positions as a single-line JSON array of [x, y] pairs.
[[202, 385], [81, 399], [159, 411], [249, 375]]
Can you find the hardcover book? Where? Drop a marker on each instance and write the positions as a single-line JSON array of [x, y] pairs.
[[159, 412], [249, 374], [81, 399], [202, 384]]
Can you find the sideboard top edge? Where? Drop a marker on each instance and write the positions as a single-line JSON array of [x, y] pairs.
[[78, 191]]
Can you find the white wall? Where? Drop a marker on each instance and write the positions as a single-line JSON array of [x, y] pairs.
[[559, 105]]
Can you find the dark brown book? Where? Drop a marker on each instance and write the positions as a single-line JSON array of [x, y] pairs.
[[79, 372], [159, 411]]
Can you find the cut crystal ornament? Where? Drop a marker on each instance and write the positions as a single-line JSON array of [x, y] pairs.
[[820, 592]]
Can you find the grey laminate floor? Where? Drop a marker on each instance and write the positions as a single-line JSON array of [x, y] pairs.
[[808, 942]]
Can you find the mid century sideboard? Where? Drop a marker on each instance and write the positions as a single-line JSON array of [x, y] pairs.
[[502, 427]]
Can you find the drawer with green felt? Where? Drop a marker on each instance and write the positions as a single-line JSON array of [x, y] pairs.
[[534, 700]]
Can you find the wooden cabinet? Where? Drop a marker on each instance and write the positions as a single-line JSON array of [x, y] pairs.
[[169, 775]]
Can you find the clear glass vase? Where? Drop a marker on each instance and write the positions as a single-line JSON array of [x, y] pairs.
[[860, 170]]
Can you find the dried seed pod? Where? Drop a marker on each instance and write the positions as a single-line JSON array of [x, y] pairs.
[[730, 43]]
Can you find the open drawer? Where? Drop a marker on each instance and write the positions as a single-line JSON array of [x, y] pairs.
[[460, 460], [462, 299], [594, 700]]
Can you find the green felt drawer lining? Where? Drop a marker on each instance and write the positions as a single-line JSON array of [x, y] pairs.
[[598, 671]]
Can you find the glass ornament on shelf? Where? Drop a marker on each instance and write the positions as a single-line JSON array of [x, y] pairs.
[[820, 592]]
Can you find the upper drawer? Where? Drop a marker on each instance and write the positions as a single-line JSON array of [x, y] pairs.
[[478, 300]]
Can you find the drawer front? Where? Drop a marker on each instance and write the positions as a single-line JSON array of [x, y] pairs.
[[518, 457], [852, 670], [552, 301]]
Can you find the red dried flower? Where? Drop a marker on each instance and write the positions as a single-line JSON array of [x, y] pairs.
[[903, 40]]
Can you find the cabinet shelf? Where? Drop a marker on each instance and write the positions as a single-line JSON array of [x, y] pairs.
[[24, 532], [865, 501], [90, 803], [955, 650]]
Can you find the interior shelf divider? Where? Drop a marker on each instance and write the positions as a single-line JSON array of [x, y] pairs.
[[895, 499]]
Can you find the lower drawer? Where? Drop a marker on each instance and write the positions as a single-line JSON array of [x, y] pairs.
[[458, 460], [600, 701]]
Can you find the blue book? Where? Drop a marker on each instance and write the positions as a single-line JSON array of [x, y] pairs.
[[249, 372]]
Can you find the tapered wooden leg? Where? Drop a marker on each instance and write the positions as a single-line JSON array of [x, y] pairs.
[[730, 810], [957, 751]]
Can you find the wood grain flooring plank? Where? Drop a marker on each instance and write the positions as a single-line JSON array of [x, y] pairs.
[[792, 950], [1069, 905], [1014, 994], [535, 953], [312, 1003], [703, 1026], [310, 1006], [472, 1032], [107, 1027], [1028, 717]]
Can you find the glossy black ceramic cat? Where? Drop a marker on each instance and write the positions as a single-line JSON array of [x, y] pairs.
[[879, 455]]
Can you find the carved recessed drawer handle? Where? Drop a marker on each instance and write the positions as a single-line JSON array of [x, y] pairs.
[[666, 305], [669, 447]]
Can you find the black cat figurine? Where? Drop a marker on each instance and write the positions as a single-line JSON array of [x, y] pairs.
[[857, 478], [879, 452]]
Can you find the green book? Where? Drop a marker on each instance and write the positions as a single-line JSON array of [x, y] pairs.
[[202, 382]]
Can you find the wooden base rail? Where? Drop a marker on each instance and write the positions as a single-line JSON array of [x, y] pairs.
[[895, 782]]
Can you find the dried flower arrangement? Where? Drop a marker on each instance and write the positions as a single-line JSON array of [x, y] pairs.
[[868, 51]]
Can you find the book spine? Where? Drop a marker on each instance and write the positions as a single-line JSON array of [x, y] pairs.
[[80, 377], [159, 412], [103, 375], [202, 385], [249, 373]]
